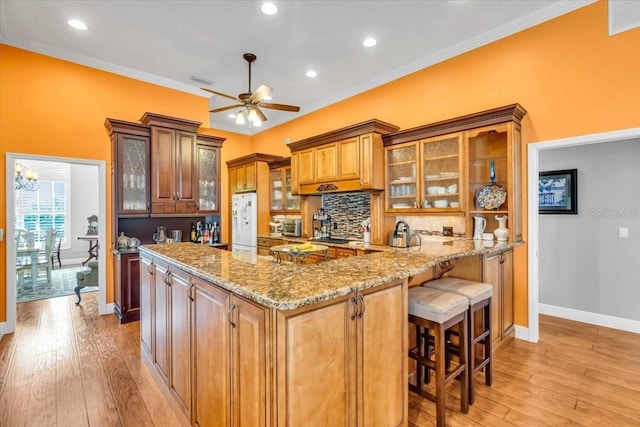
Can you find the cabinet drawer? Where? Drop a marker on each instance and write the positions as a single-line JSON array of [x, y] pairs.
[[345, 252]]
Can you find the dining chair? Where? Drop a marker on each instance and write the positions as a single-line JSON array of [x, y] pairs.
[[55, 252], [44, 260], [23, 263]]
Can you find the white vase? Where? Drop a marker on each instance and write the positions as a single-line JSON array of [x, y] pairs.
[[502, 232]]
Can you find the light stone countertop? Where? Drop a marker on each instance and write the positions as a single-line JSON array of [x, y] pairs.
[[287, 286]]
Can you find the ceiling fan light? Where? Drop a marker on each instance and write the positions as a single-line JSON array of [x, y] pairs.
[[240, 118], [257, 122], [253, 116]]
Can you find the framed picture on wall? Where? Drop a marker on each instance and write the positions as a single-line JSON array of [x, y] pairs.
[[558, 192]]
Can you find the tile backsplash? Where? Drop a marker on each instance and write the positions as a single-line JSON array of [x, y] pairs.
[[348, 210]]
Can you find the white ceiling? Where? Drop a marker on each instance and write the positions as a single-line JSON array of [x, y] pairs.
[[167, 42]]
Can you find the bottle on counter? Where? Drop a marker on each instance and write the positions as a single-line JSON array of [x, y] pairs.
[[216, 233], [192, 236], [198, 232], [206, 234]]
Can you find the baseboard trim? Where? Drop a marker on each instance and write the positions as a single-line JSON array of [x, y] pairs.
[[619, 323], [4, 329], [522, 333]]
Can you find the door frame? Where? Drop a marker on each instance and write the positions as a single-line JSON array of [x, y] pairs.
[[103, 308], [533, 150]]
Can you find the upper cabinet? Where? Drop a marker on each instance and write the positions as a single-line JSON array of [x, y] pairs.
[[467, 166], [347, 159], [281, 195], [131, 160], [244, 173], [425, 175], [208, 172], [173, 161]]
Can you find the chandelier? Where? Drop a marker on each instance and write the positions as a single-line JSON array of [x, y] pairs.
[[27, 181]]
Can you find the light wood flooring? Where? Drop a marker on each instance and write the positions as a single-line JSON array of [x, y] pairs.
[[67, 366]]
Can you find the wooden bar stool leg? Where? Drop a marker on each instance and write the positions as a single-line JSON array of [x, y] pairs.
[[488, 345], [440, 356], [464, 378]]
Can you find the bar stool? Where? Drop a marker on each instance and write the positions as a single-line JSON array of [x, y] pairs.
[[438, 311], [479, 295]]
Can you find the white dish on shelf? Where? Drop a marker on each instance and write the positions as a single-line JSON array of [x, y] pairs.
[[432, 176], [449, 174], [453, 188], [435, 189], [454, 205], [400, 206], [442, 203]]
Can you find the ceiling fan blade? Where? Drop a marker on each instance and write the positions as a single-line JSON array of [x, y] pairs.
[[260, 93], [263, 118], [220, 93], [229, 107], [283, 107]]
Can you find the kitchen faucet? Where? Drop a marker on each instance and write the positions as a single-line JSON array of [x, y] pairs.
[[407, 233]]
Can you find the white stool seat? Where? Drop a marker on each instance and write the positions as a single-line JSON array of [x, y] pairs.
[[435, 305], [474, 291]]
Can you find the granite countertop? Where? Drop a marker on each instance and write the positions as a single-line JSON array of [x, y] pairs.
[[287, 286]]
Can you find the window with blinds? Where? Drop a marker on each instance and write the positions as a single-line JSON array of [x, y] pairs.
[[48, 206]]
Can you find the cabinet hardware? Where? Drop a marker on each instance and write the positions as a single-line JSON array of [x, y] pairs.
[[355, 308], [148, 206], [230, 315], [164, 276], [190, 293], [361, 298], [150, 268], [502, 258]]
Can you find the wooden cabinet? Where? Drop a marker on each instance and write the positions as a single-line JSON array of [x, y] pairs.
[[498, 271], [282, 199], [160, 306], [333, 370], [130, 154], [208, 173], [173, 165], [179, 338], [442, 167], [127, 287], [147, 284], [264, 243], [230, 359], [244, 178], [348, 159]]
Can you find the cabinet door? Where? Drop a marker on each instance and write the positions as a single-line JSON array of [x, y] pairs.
[[318, 348], [326, 162], [132, 175], [491, 275], [277, 188], [250, 177], [211, 355], [306, 166], [507, 293], [161, 321], [349, 158], [147, 283], [162, 170], [441, 174], [127, 287], [180, 383], [186, 182], [382, 359], [292, 203], [403, 186], [208, 178], [250, 400]]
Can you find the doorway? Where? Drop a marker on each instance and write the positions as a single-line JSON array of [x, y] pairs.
[[11, 287], [532, 332]]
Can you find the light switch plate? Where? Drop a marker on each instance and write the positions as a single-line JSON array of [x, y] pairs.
[[623, 232]]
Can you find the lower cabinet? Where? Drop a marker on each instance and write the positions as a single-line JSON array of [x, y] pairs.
[[127, 287], [230, 368], [230, 362], [498, 271], [344, 361]]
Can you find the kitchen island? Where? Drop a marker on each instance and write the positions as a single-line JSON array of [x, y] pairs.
[[240, 339]]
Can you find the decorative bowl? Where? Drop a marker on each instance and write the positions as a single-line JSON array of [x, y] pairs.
[[133, 242], [443, 203]]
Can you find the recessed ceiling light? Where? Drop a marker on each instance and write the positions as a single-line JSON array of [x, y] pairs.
[[369, 42], [77, 24], [269, 8], [311, 73]]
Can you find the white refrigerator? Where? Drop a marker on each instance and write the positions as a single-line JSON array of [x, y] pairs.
[[244, 223]]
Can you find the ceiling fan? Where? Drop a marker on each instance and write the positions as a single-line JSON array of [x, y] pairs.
[[251, 100]]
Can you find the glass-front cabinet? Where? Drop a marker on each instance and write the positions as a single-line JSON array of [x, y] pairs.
[[132, 175], [208, 168], [441, 167], [424, 176], [281, 198], [402, 172]]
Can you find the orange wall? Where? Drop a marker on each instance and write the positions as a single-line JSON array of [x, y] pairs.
[[572, 78]]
